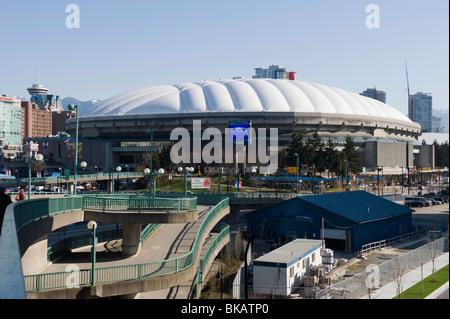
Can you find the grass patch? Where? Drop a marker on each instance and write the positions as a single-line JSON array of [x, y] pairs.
[[415, 292]]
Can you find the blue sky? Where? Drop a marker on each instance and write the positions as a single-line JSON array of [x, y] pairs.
[[127, 45]]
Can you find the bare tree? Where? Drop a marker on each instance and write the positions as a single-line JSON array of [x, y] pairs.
[[398, 271]]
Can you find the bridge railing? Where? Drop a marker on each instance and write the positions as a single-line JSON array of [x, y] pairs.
[[30, 210], [34, 283], [138, 203]]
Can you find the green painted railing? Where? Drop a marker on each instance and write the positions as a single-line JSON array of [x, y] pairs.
[[138, 203], [225, 231], [83, 277], [28, 211]]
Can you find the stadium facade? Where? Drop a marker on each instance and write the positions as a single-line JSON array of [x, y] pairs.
[[116, 131]]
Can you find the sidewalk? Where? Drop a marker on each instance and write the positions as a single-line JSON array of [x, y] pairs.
[[389, 290]]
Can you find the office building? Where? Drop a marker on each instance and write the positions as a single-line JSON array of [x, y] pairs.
[[420, 110], [274, 72], [36, 121], [10, 122], [375, 94], [436, 125]]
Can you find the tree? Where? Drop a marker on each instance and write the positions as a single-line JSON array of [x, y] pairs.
[[331, 156], [441, 154], [351, 155], [298, 145], [316, 146]]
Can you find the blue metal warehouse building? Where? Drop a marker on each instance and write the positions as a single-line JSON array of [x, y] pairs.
[[350, 219]]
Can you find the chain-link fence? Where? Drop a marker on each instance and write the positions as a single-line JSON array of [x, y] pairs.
[[391, 271], [358, 286]]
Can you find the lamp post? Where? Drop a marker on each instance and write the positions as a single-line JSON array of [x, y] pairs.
[[296, 175], [72, 107], [96, 179], [149, 131], [118, 169], [92, 225], [159, 172], [299, 218], [346, 174], [378, 177], [220, 276], [38, 158], [186, 170]]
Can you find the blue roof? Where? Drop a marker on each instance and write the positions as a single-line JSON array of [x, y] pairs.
[[357, 206]]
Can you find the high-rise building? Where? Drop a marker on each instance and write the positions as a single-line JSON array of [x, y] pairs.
[[10, 121], [436, 125], [40, 97], [420, 110], [274, 72], [36, 120], [375, 94]]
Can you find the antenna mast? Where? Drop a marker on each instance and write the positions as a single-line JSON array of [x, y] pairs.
[[410, 111]]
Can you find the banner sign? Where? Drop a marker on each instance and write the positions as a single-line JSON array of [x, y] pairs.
[[200, 183]]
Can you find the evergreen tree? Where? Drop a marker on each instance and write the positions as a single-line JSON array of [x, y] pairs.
[[332, 158], [351, 155]]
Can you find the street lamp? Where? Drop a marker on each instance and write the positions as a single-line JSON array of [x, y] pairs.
[[159, 172], [346, 174], [296, 179], [92, 225], [72, 107], [118, 170], [220, 276], [299, 218], [186, 170], [38, 158]]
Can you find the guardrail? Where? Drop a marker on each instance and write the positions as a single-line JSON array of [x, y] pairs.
[[30, 210], [225, 231], [61, 178], [40, 282], [138, 203], [386, 243]]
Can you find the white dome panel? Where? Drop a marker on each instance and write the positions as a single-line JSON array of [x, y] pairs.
[[270, 97], [243, 95], [296, 99], [217, 97], [321, 103]]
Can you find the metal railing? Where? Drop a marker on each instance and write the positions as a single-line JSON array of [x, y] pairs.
[[30, 210], [386, 243], [225, 231], [139, 203], [40, 282]]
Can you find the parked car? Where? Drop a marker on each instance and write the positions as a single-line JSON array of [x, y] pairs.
[[415, 200], [416, 203], [435, 202], [439, 199]]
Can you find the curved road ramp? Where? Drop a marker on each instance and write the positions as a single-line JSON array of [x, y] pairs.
[[162, 245]]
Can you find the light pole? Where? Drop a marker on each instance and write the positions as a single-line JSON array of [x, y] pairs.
[[72, 107], [159, 172], [149, 131], [118, 169], [38, 158], [346, 174], [96, 179], [296, 175], [220, 276], [299, 218], [147, 173], [92, 225], [186, 170]]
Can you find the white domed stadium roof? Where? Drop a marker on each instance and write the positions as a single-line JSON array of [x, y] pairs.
[[243, 95]]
